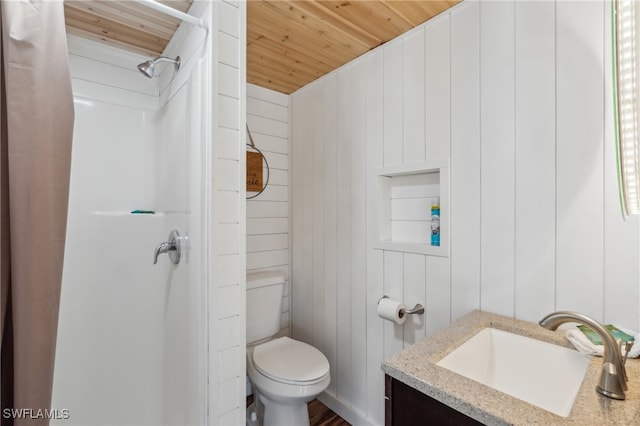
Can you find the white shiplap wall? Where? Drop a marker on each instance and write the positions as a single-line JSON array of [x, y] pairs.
[[227, 229], [268, 213], [516, 95]]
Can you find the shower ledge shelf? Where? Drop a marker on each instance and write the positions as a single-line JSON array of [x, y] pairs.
[[122, 213]]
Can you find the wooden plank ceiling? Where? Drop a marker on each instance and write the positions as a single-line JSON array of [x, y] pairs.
[[125, 24], [289, 43]]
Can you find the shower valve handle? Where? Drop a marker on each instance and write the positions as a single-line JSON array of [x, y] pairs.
[[172, 247]]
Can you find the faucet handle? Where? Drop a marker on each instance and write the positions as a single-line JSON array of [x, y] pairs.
[[172, 247], [162, 248], [627, 347]]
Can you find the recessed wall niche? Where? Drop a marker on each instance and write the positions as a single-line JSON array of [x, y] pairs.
[[406, 194]]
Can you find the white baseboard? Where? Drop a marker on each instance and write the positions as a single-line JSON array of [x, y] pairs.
[[350, 414], [344, 410]]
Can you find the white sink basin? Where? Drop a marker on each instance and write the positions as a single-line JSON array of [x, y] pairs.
[[540, 373]]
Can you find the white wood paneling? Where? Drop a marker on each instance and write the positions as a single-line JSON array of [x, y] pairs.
[[438, 87], [268, 213], [414, 289], [229, 301], [393, 280], [535, 159], [579, 166], [307, 162], [226, 236], [514, 102], [268, 260], [229, 81], [230, 328], [274, 209], [330, 214], [263, 105], [301, 238], [392, 87], [465, 160], [229, 50], [261, 243], [413, 97], [228, 149], [358, 229], [230, 358], [298, 122], [229, 13], [275, 98], [438, 294], [226, 174], [374, 407], [228, 274], [497, 142], [229, 199], [268, 122], [344, 383], [316, 310]]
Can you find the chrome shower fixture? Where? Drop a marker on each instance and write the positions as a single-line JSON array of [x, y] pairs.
[[148, 68]]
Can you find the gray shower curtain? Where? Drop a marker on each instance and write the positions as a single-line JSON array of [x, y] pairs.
[[36, 117]]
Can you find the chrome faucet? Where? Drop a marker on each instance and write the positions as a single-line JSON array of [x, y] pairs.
[[172, 247], [161, 248], [613, 377]]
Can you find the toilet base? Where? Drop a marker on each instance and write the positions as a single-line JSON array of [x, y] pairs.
[[278, 414]]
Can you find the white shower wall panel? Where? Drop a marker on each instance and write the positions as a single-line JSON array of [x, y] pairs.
[[109, 351], [102, 72], [109, 341], [114, 146], [172, 154], [180, 193], [132, 339]]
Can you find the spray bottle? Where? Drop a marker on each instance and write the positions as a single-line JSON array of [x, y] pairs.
[[435, 222]]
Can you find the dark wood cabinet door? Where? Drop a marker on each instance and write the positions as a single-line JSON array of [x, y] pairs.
[[405, 406]]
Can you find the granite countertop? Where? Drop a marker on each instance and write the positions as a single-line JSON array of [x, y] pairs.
[[416, 367]]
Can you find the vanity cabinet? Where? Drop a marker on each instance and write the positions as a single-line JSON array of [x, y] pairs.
[[405, 406]]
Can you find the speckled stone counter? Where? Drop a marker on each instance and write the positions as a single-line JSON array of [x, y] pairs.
[[416, 367]]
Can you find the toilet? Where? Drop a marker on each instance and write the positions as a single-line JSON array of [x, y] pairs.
[[285, 374]]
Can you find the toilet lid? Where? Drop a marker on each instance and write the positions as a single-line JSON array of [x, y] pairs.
[[288, 360]]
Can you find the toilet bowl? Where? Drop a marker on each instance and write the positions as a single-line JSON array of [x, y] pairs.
[[285, 374]]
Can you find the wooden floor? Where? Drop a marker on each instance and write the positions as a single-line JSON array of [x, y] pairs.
[[319, 414]]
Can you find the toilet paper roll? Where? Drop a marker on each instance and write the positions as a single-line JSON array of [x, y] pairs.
[[391, 310]]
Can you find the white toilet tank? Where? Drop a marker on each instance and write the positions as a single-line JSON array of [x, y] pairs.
[[264, 304]]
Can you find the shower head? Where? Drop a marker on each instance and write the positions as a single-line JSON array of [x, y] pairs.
[[148, 68]]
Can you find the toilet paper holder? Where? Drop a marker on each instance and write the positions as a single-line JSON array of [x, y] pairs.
[[418, 309]]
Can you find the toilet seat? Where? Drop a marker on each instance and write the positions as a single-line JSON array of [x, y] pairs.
[[289, 361]]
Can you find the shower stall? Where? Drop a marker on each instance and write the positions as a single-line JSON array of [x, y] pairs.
[[135, 342]]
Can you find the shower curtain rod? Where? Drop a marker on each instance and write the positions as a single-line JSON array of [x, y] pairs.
[[175, 13]]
